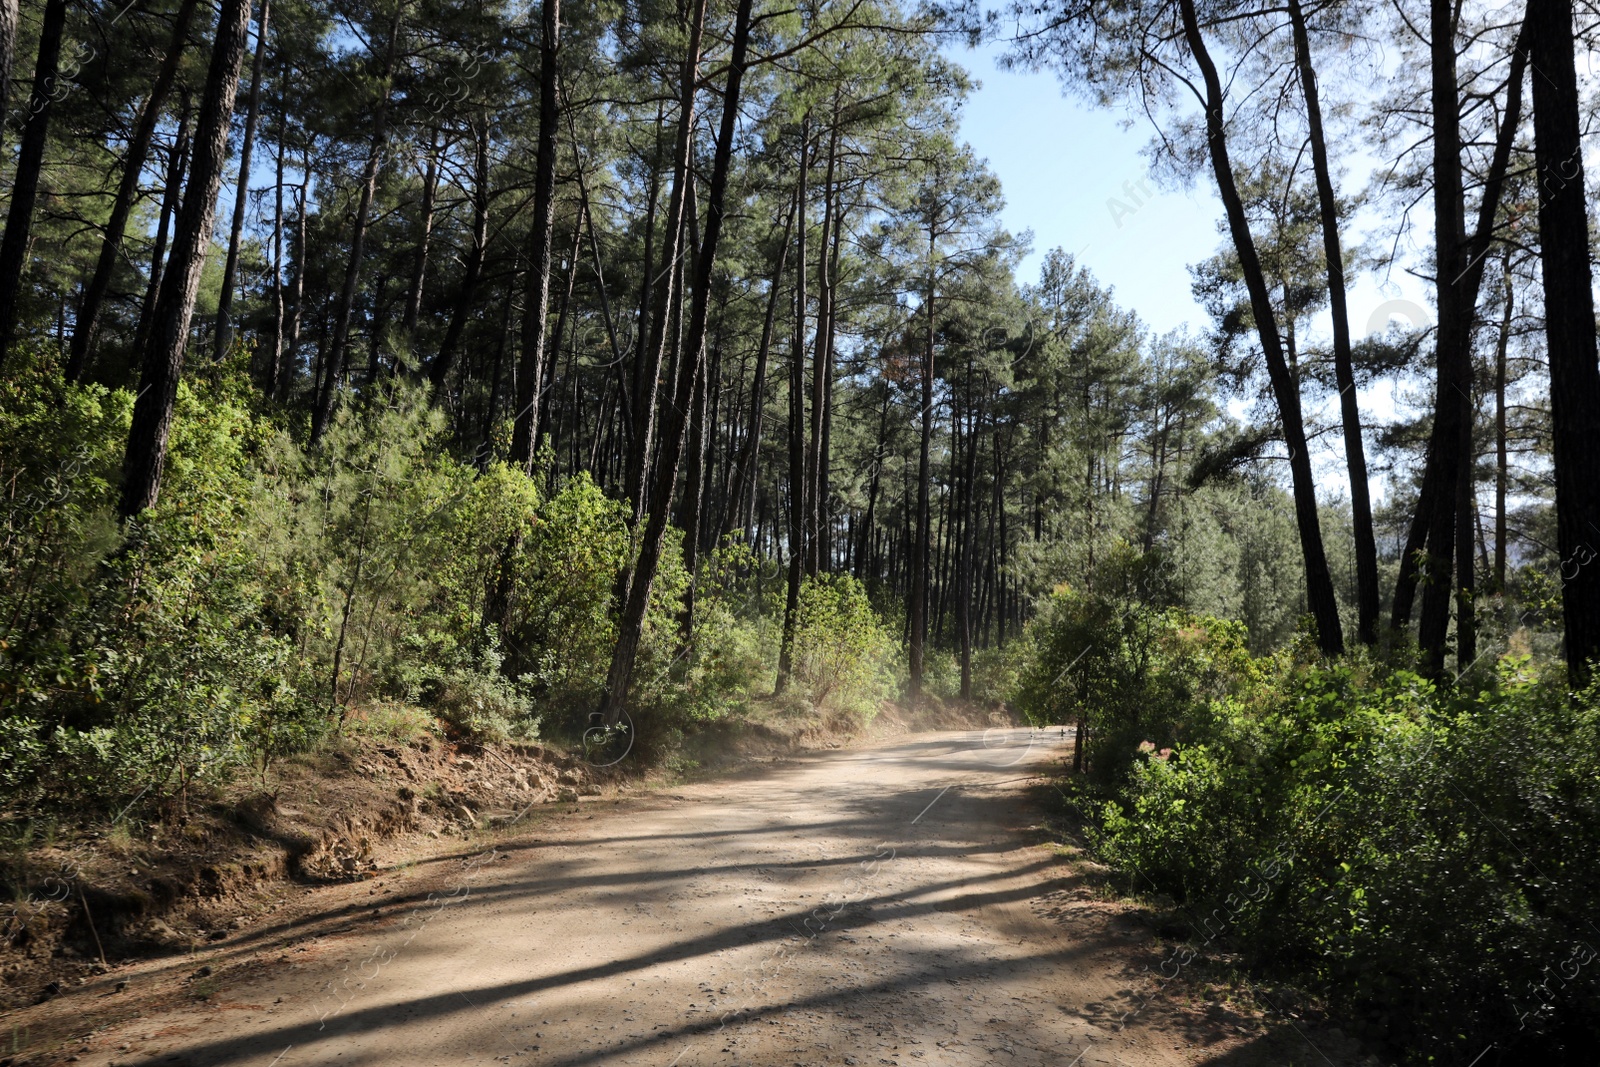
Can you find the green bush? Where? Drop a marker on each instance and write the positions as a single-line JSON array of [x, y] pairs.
[[562, 620], [1424, 860], [138, 659], [842, 653], [737, 629], [276, 595], [1124, 673]]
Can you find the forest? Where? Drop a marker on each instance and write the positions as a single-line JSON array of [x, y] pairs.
[[618, 369]]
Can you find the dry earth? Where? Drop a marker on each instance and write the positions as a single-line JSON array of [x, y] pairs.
[[891, 904]]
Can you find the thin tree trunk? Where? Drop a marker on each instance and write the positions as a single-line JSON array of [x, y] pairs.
[[819, 361], [586, 218], [30, 162], [172, 190], [419, 270], [490, 411], [8, 51], [641, 328], [969, 498], [1501, 465], [1366, 544], [547, 390], [1459, 262], [442, 364], [375, 315], [273, 377], [665, 286], [1569, 326], [93, 302], [1319, 581], [797, 424], [744, 489], [825, 458], [298, 292], [163, 359], [694, 498], [230, 267], [917, 611], [630, 627], [863, 561], [541, 239], [333, 372]]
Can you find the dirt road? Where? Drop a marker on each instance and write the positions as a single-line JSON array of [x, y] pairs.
[[895, 904]]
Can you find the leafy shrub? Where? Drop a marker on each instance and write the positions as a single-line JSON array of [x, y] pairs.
[[941, 673], [1423, 859], [562, 620], [737, 629], [841, 649], [1124, 673], [481, 703]]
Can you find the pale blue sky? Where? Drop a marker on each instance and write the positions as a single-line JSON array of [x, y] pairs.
[[1061, 161]]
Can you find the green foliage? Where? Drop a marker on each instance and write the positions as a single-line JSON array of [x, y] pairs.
[[276, 595], [564, 622], [841, 650], [1126, 673], [137, 659], [1421, 859], [737, 630], [268, 592]]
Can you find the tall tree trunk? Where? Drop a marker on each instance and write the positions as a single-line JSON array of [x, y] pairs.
[[665, 285], [694, 491], [586, 219], [90, 307], [825, 457], [375, 316], [743, 493], [541, 238], [1458, 266], [630, 627], [1569, 326], [536, 310], [1366, 544], [863, 560], [1319, 581], [272, 377], [491, 409], [333, 371], [8, 51], [419, 269], [797, 423], [819, 362], [968, 546], [641, 328], [241, 199], [442, 363], [547, 393], [30, 161], [163, 360], [1453, 384], [917, 610], [1501, 464], [298, 292], [172, 192], [1413, 552]]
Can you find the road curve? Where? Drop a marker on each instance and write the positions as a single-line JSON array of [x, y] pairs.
[[878, 905]]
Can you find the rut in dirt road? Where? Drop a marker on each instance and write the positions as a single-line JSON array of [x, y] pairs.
[[875, 906]]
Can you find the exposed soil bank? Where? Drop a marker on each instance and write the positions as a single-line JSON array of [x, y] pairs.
[[899, 902]]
